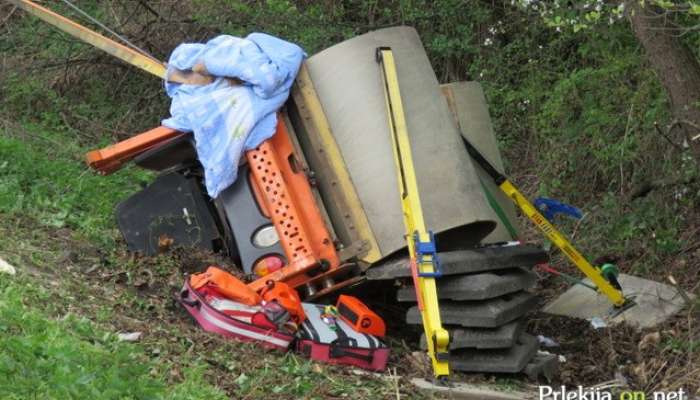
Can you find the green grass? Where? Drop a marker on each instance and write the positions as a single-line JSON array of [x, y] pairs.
[[58, 323], [48, 352], [69, 358], [44, 176]]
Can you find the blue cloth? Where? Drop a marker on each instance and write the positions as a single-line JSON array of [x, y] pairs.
[[229, 119]]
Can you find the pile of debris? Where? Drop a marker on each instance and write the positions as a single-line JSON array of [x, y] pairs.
[[313, 175]]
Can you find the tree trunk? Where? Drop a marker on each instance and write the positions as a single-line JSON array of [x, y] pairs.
[[675, 65]]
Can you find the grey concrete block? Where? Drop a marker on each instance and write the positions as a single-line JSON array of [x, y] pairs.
[[483, 314], [543, 364], [466, 261], [486, 285], [483, 338], [510, 360]]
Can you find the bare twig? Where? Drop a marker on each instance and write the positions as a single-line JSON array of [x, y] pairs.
[[665, 135], [7, 18], [151, 10], [646, 187], [680, 290], [578, 224], [622, 149], [395, 379]]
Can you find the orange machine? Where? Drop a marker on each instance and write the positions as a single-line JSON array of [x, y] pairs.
[[284, 195], [281, 198], [113, 157]]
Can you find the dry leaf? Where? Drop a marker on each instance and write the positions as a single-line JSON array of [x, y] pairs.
[[649, 340], [164, 243]]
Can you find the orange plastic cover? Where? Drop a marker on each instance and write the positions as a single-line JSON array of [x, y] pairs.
[[356, 314], [226, 284], [286, 195], [287, 297]]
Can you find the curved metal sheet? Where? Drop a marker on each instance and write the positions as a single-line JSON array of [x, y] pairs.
[[467, 101], [346, 78]]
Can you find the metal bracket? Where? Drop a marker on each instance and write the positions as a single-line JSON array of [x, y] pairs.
[[428, 248], [550, 208], [355, 249]]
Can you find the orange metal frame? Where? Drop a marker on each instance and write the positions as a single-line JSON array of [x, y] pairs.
[[281, 189], [288, 198], [113, 157]]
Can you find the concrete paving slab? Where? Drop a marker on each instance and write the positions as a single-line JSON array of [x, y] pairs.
[[656, 302], [466, 261], [510, 360], [543, 364], [468, 391], [480, 286], [481, 314], [483, 338]]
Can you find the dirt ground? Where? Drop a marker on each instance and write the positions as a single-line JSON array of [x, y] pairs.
[[139, 292]]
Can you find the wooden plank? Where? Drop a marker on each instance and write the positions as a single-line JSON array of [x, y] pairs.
[[149, 64]]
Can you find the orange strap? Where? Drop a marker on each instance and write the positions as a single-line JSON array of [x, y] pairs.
[[226, 284]]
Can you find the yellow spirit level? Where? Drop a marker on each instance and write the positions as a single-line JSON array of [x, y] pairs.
[[421, 244], [605, 282]]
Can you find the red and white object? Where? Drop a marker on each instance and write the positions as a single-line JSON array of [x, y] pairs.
[[217, 314], [337, 343]]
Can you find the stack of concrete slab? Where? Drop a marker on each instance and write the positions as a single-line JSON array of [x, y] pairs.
[[484, 295]]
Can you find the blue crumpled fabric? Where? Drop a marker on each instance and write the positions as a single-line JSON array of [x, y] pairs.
[[229, 119]]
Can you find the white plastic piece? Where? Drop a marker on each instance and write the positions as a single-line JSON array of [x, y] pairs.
[[598, 323], [130, 337], [7, 268], [546, 341]]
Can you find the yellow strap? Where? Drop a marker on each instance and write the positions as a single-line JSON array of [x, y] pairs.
[[437, 337]]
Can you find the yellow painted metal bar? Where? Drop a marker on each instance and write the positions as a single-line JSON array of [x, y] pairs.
[[562, 243], [335, 159], [437, 337]]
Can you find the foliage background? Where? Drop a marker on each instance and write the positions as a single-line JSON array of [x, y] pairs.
[[575, 112]]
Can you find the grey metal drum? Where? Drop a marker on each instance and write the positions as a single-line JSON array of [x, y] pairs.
[[346, 77]]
